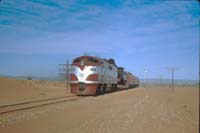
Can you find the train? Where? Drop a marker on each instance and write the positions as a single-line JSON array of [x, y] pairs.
[[91, 75]]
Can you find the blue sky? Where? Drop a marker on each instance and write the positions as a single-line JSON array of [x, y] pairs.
[[37, 35]]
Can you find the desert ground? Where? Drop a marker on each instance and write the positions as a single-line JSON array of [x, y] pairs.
[[148, 109], [14, 91]]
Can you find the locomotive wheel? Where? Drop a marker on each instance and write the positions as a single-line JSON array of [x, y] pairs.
[[114, 87], [104, 88], [99, 89]]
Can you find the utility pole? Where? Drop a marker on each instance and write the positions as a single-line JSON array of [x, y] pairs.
[[172, 70], [161, 81], [66, 74], [67, 77], [145, 71]]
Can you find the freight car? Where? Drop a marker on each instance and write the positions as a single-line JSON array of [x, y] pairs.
[[92, 75]]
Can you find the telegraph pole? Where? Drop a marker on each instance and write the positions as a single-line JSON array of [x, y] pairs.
[[145, 71], [172, 69], [66, 73], [161, 81], [172, 79], [67, 77]]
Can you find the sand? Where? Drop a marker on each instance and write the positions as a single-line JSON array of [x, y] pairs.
[[139, 110], [14, 91]]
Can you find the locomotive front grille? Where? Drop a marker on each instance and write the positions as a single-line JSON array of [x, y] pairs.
[[81, 86]]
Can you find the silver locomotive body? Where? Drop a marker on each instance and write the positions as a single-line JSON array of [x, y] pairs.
[[91, 75]]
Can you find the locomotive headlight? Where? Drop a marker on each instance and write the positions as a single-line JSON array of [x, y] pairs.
[[82, 63], [81, 75]]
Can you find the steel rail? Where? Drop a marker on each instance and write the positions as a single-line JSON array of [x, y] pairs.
[[34, 101], [29, 106]]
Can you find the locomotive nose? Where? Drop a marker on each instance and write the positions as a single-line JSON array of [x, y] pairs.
[[81, 86]]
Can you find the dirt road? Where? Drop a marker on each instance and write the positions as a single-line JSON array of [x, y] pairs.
[[140, 110]]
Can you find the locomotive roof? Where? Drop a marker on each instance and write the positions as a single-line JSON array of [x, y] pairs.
[[97, 58]]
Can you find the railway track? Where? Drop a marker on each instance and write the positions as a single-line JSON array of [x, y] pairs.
[[5, 109]]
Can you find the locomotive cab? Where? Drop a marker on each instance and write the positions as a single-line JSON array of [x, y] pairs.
[[90, 74]]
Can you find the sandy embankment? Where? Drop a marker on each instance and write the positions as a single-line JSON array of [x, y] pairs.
[[140, 110], [13, 90]]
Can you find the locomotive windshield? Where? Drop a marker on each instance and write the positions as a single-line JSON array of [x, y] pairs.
[[93, 60], [77, 60], [86, 60]]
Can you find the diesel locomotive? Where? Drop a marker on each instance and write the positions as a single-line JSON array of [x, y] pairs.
[[92, 75]]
